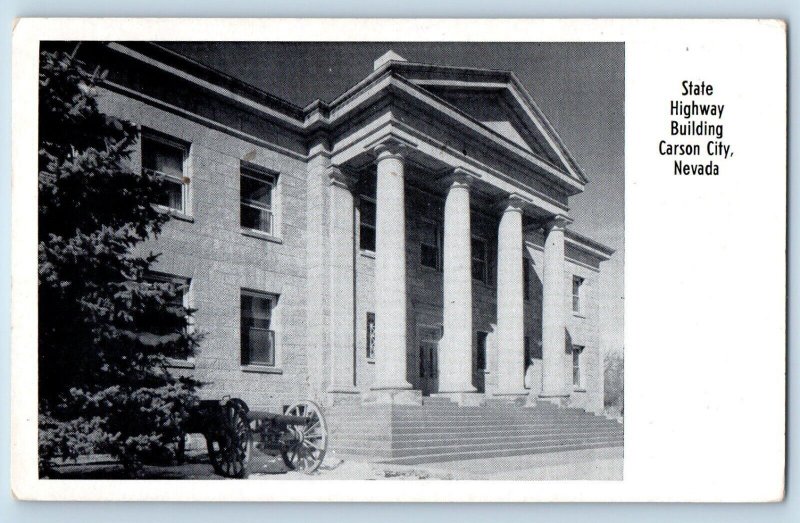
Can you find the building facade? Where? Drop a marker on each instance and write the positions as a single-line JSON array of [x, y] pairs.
[[409, 238]]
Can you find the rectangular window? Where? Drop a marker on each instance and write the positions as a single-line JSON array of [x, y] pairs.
[[526, 279], [430, 245], [480, 360], [367, 213], [256, 199], [577, 294], [258, 336], [577, 382], [480, 260], [371, 335], [166, 159]]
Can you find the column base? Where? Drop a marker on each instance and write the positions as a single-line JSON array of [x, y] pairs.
[[343, 390], [559, 400], [392, 396], [342, 395], [463, 399]]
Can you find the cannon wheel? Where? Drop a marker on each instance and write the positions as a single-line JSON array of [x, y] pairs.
[[312, 439], [229, 444]]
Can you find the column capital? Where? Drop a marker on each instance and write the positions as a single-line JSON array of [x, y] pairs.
[[558, 222], [391, 147], [514, 202], [459, 177], [341, 178]]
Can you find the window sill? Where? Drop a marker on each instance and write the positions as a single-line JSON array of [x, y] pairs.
[[578, 390], [252, 233], [180, 364], [174, 213], [578, 315], [262, 369], [368, 254], [371, 360]]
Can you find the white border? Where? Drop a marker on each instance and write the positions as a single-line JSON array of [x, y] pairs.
[[683, 442]]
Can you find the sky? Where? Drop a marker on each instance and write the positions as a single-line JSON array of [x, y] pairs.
[[579, 87]]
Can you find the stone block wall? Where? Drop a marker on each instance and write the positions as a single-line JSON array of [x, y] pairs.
[[208, 246]]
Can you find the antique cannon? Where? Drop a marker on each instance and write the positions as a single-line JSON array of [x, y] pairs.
[[233, 431]]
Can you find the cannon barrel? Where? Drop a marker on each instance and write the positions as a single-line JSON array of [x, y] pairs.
[[281, 419]]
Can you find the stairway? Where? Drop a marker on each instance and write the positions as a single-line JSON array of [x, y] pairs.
[[440, 430]]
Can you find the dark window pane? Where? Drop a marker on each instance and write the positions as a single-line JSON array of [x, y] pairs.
[[429, 256], [260, 345], [479, 270], [164, 158], [255, 218], [172, 195], [258, 340], [367, 238], [256, 191], [367, 208], [481, 356], [479, 261]]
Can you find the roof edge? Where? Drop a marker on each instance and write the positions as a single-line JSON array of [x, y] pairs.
[[589, 245]]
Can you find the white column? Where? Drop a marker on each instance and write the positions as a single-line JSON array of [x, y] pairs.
[[390, 272], [510, 301], [554, 379], [342, 283], [455, 351]]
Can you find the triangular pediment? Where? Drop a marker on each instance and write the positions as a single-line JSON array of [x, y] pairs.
[[496, 100]]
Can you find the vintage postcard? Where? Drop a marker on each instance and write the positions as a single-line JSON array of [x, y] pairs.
[[399, 260]]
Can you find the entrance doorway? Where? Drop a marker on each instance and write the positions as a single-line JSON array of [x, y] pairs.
[[428, 337]]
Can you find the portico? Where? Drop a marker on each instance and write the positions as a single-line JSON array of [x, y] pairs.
[[455, 363], [511, 174]]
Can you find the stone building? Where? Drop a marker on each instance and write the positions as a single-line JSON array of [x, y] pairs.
[[408, 239]]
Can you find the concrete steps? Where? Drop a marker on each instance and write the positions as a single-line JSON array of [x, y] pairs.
[[439, 430]]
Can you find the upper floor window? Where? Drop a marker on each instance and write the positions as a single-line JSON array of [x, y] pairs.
[[257, 331], [430, 245], [256, 200], [167, 158], [577, 294], [367, 212], [480, 260]]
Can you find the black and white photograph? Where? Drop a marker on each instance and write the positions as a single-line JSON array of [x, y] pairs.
[[311, 260]]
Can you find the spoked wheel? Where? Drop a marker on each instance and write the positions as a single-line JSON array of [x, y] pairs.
[[229, 446], [310, 441]]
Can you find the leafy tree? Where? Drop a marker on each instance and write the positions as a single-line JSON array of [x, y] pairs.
[[105, 331]]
